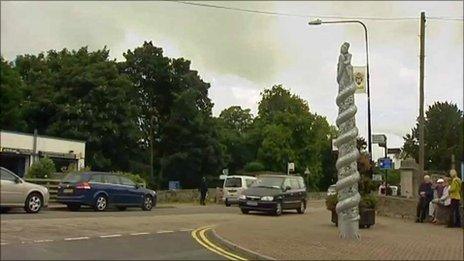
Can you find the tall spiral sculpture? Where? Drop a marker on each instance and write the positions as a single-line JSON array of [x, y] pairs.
[[348, 175]]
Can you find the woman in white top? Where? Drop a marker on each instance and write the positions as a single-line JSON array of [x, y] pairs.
[[443, 203]]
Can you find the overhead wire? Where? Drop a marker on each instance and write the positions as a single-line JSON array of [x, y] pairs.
[[312, 16]]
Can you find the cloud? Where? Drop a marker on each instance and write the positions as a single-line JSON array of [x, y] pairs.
[[243, 53]]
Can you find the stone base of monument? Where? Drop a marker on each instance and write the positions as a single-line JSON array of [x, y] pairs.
[[366, 217]]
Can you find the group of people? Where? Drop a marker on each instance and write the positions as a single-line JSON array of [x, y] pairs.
[[440, 200]]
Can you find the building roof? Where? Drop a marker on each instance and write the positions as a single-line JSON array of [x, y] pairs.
[[42, 136]]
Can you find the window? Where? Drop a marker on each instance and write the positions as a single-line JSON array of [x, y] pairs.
[[249, 182], [268, 182], [73, 178], [301, 183], [6, 175], [111, 179], [233, 183], [97, 178], [287, 183], [294, 183], [126, 181]]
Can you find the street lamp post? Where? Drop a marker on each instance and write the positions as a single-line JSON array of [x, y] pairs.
[[319, 22]]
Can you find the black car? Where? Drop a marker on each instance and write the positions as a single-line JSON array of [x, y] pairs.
[[273, 194], [101, 189]]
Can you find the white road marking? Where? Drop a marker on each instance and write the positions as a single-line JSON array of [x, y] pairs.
[[164, 231], [75, 238], [107, 236], [2, 244], [141, 233], [43, 241], [186, 229]]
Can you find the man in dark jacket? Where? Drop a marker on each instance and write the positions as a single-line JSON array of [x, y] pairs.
[[203, 191], [425, 196]]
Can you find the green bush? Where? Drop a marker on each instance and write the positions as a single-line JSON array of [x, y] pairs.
[[73, 168], [367, 201], [254, 166], [134, 177], [42, 169], [331, 202]]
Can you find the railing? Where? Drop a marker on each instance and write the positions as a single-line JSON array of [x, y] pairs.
[[50, 184]]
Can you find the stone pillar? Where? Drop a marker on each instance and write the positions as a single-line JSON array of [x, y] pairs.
[[410, 178]]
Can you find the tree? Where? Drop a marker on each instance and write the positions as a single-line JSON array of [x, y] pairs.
[[233, 125], [42, 169], [237, 119], [11, 99], [286, 131], [443, 136], [175, 117], [81, 95]]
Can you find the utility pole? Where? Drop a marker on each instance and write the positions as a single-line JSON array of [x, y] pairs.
[[421, 94]]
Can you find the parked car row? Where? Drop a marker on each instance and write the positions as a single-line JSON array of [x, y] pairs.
[[95, 189], [267, 193]]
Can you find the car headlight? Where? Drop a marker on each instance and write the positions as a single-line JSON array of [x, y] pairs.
[[242, 197], [267, 198]]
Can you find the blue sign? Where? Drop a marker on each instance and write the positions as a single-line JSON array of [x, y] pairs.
[[173, 185], [385, 163]]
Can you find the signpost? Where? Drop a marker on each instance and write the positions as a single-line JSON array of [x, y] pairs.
[[290, 167], [385, 163]]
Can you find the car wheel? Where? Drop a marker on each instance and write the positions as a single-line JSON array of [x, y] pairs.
[[101, 203], [34, 203], [302, 208], [122, 208], [147, 203], [245, 211], [74, 207], [278, 210]]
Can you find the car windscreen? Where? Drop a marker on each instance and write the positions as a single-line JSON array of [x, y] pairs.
[[269, 182], [233, 183], [75, 177]]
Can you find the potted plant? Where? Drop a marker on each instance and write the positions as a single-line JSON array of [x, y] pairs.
[[368, 203], [367, 207]]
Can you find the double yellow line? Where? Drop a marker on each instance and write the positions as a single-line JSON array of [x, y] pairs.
[[199, 235]]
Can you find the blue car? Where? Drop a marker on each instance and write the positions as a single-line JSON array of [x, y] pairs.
[[100, 190]]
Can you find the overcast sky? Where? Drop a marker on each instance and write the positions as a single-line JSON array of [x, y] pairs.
[[242, 53]]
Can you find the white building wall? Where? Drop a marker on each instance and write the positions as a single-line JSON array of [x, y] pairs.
[[25, 141]]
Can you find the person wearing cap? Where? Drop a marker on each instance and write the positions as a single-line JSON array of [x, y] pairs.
[[438, 188], [425, 196], [442, 203]]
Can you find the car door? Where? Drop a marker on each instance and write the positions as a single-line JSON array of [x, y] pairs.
[[11, 190], [303, 193], [130, 193], [113, 189], [295, 192], [287, 197]]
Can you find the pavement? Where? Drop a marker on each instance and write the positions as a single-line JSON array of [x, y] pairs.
[[180, 231], [312, 236]]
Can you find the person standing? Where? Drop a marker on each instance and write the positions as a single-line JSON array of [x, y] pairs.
[[203, 191], [425, 196], [455, 195]]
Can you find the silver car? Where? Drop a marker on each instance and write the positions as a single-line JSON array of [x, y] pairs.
[[15, 192]]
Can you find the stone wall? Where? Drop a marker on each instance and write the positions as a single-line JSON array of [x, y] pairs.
[[214, 195], [397, 207]]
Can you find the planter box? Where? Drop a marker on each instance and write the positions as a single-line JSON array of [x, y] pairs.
[[366, 218]]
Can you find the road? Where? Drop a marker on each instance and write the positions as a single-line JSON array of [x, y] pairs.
[[59, 234]]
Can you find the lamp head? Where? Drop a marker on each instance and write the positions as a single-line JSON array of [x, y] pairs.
[[315, 22]]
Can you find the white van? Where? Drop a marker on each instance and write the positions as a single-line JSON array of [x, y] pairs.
[[233, 187]]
